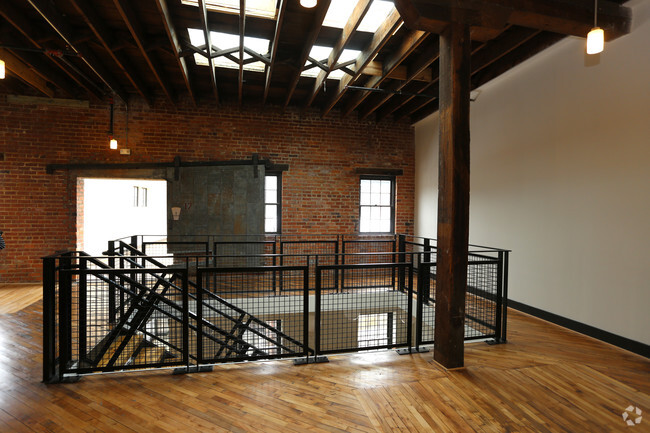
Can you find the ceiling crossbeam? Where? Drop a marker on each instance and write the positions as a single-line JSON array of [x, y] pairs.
[[170, 29], [208, 42], [22, 71], [242, 31], [316, 24], [410, 42], [99, 28], [137, 32], [350, 27], [268, 69], [380, 38], [558, 16]]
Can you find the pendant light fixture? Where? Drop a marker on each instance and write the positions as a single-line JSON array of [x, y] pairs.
[[596, 37], [308, 3], [2, 69], [113, 141]]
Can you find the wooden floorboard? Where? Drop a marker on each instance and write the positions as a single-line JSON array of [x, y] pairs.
[[546, 379], [15, 297]]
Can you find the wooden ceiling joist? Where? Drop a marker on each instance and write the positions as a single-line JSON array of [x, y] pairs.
[[316, 24], [30, 30], [268, 69], [98, 26], [242, 31], [137, 32], [380, 38], [19, 69], [203, 12], [419, 67], [170, 29], [409, 43], [350, 27]]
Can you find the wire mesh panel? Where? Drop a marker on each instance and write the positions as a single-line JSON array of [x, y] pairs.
[[370, 313], [121, 319], [241, 319], [481, 297], [322, 252]]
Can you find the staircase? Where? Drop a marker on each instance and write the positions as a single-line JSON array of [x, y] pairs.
[[146, 325]]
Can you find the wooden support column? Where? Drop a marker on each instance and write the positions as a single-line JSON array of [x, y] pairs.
[[453, 195]]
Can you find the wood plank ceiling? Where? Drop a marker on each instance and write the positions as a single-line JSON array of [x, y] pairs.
[[93, 49]]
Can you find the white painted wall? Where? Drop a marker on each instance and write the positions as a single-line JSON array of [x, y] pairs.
[[560, 174], [109, 212]]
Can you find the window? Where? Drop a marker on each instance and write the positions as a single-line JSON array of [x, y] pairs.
[[272, 208], [140, 196], [377, 205]]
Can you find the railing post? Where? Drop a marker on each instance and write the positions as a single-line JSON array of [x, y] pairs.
[[409, 308], [186, 319], [317, 312], [504, 327], [336, 259], [134, 242], [401, 248], [305, 314], [426, 289], [82, 306], [49, 320], [65, 314], [423, 281], [199, 316]]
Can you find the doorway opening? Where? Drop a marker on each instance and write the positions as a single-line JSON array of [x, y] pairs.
[[113, 208]]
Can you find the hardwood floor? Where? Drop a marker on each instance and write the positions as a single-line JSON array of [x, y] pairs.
[[15, 297], [546, 379]]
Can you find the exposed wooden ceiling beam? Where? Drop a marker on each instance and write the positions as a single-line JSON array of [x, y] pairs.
[[409, 43], [268, 69], [203, 11], [131, 20], [242, 31], [29, 29], [22, 71], [98, 26], [416, 69], [401, 73], [170, 29], [60, 26], [569, 18], [314, 29], [350, 27], [380, 38]]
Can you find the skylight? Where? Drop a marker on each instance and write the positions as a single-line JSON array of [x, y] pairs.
[[322, 53], [224, 41], [255, 8], [340, 10]]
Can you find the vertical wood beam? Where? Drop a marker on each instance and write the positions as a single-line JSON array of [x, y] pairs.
[[453, 195]]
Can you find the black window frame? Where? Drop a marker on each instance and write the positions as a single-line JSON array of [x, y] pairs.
[[278, 175], [393, 199]]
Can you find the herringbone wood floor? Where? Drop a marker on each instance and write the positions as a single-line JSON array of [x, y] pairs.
[[546, 379]]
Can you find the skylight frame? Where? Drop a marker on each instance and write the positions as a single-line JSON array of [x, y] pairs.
[[254, 8]]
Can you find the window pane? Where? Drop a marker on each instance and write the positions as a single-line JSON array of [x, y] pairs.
[[365, 198], [365, 186], [385, 214], [271, 196], [270, 225], [271, 211], [384, 199], [385, 186], [271, 182], [375, 213]]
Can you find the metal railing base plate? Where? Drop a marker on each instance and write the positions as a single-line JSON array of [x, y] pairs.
[[310, 360], [409, 350], [193, 369]]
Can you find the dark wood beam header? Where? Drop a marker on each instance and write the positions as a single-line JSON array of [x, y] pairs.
[[556, 16]]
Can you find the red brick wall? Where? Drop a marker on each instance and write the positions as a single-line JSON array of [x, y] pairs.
[[38, 211]]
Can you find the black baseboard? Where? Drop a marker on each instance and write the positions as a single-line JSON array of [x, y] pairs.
[[622, 342]]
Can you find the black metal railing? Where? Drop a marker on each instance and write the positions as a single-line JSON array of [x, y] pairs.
[[152, 302]]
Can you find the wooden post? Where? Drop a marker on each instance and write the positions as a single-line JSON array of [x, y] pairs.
[[453, 195]]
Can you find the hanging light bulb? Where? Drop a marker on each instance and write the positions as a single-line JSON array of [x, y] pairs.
[[308, 3], [596, 37], [2, 69], [113, 143]]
